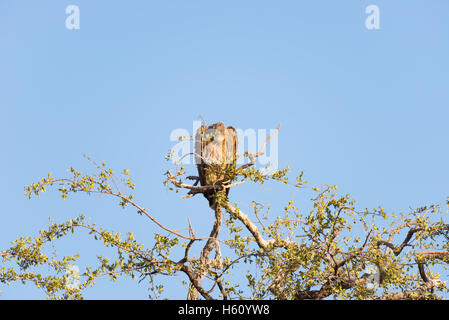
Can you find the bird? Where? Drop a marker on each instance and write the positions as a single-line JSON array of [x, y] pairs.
[[215, 156]]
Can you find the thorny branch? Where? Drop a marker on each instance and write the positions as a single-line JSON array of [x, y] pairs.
[[338, 270], [125, 199]]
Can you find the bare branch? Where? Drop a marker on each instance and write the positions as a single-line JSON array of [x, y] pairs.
[[125, 200], [425, 255], [194, 189], [204, 265], [261, 151], [252, 228], [423, 292]]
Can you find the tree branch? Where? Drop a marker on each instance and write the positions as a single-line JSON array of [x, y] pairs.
[[423, 292]]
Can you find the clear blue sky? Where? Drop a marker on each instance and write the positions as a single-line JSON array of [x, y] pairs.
[[366, 110]]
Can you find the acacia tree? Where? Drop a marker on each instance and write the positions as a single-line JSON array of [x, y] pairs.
[[334, 250]]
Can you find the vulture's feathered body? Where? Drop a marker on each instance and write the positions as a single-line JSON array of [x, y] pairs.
[[215, 154]]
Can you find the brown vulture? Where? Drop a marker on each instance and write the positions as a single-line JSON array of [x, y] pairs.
[[215, 154]]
